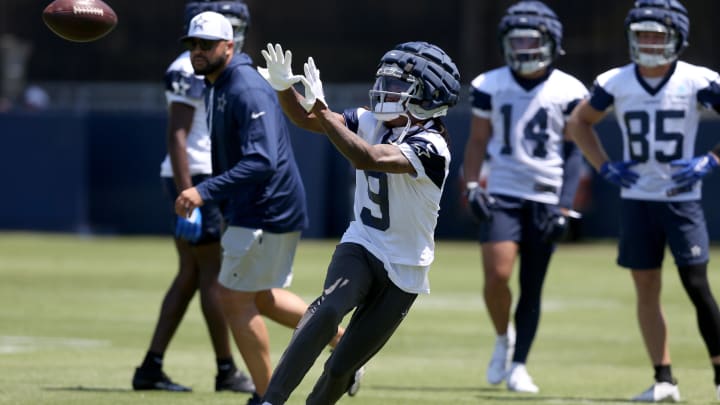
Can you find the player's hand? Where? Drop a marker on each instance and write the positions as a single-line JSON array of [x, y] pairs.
[[479, 202], [619, 173], [279, 70], [313, 86], [189, 228], [555, 226], [692, 170]]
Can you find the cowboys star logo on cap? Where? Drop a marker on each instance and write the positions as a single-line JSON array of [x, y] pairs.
[[198, 23], [211, 26]]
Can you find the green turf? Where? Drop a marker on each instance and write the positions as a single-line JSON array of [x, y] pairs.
[[76, 314]]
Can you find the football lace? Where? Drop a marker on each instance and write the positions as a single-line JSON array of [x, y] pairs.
[[88, 10]]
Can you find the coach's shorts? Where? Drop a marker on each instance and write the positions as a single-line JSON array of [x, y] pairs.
[[212, 221], [646, 226], [514, 219], [256, 260]]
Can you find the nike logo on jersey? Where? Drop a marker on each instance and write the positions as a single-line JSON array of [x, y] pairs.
[[256, 115], [338, 283]]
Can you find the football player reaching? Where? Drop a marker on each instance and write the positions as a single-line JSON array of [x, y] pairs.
[[657, 101], [519, 114], [399, 150]]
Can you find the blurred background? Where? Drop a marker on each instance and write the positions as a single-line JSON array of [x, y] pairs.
[[83, 124]]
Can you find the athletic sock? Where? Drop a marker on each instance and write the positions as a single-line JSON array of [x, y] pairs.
[[152, 361], [716, 367], [663, 373], [226, 366]]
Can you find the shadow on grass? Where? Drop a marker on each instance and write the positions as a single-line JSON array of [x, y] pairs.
[[500, 394], [520, 398], [89, 389], [482, 393]]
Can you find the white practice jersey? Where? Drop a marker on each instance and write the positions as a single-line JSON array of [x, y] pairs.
[[396, 214], [526, 147], [183, 86], [658, 124]]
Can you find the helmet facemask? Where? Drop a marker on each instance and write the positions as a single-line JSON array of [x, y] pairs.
[[239, 27], [392, 93], [527, 50], [652, 43]]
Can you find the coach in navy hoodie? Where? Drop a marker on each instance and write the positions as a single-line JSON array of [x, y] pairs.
[[255, 179]]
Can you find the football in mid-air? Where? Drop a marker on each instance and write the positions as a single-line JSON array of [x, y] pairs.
[[80, 20]]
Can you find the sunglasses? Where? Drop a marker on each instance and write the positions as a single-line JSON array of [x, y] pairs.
[[203, 44]]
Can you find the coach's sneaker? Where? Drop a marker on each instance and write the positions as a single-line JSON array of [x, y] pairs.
[[660, 392], [357, 379], [519, 380], [502, 355], [155, 380], [236, 381]]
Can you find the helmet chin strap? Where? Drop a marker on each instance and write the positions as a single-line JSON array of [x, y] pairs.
[[403, 133], [405, 130]]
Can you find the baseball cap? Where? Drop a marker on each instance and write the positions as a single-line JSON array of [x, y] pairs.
[[209, 25]]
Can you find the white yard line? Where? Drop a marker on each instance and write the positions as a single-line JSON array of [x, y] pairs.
[[23, 344]]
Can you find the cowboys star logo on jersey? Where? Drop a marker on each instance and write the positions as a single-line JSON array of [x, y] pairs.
[[424, 150], [181, 85], [221, 103]]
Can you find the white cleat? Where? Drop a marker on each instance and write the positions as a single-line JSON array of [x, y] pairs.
[[357, 379], [519, 380], [502, 356], [660, 392], [717, 392]]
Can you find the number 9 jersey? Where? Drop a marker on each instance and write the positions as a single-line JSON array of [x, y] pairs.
[[528, 118], [659, 121], [396, 213]]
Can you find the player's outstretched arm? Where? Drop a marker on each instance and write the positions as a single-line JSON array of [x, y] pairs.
[[292, 104], [280, 76], [362, 155]]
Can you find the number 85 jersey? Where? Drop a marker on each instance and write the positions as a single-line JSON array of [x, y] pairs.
[[659, 123], [526, 149]]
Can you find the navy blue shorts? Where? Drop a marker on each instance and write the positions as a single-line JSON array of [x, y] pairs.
[[646, 227], [212, 220], [514, 219]]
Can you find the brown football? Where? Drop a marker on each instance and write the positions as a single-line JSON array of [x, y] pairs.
[[79, 20]]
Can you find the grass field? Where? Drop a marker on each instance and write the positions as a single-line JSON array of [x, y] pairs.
[[76, 315]]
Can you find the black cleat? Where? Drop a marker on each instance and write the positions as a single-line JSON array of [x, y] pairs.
[[155, 380], [236, 382], [255, 399]]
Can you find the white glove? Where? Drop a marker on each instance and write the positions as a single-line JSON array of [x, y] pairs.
[[279, 71], [313, 86]]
